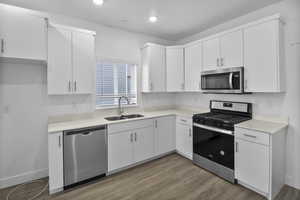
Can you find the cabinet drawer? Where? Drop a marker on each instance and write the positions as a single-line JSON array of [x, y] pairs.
[[184, 120], [252, 136], [126, 126]]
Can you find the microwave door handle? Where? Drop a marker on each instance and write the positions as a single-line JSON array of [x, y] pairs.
[[231, 80]]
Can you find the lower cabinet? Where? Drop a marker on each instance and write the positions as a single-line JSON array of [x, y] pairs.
[[55, 160], [184, 137], [120, 150], [128, 147], [259, 160], [164, 130], [253, 164]]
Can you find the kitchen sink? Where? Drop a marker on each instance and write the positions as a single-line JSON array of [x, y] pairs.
[[122, 117]]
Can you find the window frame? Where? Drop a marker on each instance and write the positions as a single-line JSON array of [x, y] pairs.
[[115, 62]]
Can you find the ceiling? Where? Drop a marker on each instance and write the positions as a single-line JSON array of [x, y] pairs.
[[176, 18]]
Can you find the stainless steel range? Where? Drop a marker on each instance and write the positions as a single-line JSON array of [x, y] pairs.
[[213, 136]]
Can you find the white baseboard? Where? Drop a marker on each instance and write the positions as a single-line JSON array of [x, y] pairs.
[[23, 178]]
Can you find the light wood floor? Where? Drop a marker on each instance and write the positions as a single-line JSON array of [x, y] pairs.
[[169, 178]]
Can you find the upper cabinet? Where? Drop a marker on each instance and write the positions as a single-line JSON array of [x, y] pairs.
[[71, 61], [193, 67], [22, 36], [211, 54], [225, 50], [256, 46], [175, 69], [154, 68], [263, 57], [231, 49]]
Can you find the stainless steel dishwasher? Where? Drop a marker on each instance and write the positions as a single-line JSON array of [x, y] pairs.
[[85, 155]]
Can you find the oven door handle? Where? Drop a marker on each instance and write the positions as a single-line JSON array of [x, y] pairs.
[[213, 129], [231, 80]]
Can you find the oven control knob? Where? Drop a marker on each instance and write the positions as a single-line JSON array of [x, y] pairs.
[[222, 152]]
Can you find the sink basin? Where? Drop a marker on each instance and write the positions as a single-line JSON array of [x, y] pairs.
[[122, 117]]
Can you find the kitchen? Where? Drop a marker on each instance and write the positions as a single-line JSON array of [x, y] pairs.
[[25, 88]]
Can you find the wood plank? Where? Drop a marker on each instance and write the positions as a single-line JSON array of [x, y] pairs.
[[171, 177]]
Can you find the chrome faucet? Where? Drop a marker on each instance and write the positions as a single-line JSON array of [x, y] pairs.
[[120, 108]]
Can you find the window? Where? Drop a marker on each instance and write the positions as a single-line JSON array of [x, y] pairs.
[[113, 80]]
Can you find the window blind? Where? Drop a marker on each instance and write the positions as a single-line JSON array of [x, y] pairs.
[[114, 80]]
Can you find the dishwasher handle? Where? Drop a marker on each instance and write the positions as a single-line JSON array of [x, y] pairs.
[[85, 131]]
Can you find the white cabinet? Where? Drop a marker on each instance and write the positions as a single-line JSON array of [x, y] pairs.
[[83, 62], [55, 160], [71, 61], [175, 69], [184, 137], [225, 50], [252, 164], [193, 67], [211, 54], [164, 134], [22, 35], [231, 49], [143, 144], [59, 61], [260, 160], [129, 143], [154, 68], [120, 150], [262, 57]]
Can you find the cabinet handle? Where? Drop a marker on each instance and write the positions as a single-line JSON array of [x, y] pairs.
[[236, 147], [182, 86], [222, 61], [155, 123], [135, 137], [75, 86], [151, 86], [183, 120], [69, 86], [131, 137], [250, 136], [218, 62], [246, 84], [190, 132], [59, 141], [2, 45]]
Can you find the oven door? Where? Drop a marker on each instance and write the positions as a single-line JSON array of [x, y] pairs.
[[214, 144], [229, 80]]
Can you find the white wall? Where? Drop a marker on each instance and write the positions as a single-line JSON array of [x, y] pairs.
[[278, 105], [25, 106]]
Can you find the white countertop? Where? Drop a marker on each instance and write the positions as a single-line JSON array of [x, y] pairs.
[[254, 124], [99, 120], [263, 126]]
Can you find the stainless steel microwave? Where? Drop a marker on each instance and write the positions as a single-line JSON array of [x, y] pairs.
[[227, 80]]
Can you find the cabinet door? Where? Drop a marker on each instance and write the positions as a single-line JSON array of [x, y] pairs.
[[175, 69], [165, 134], [232, 49], [157, 69], [211, 54], [55, 160], [193, 67], [120, 150], [59, 61], [144, 144], [83, 62], [184, 140], [252, 164], [261, 57], [22, 35]]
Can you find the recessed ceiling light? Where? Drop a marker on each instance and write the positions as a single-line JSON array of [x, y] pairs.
[[98, 2], [152, 19]]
